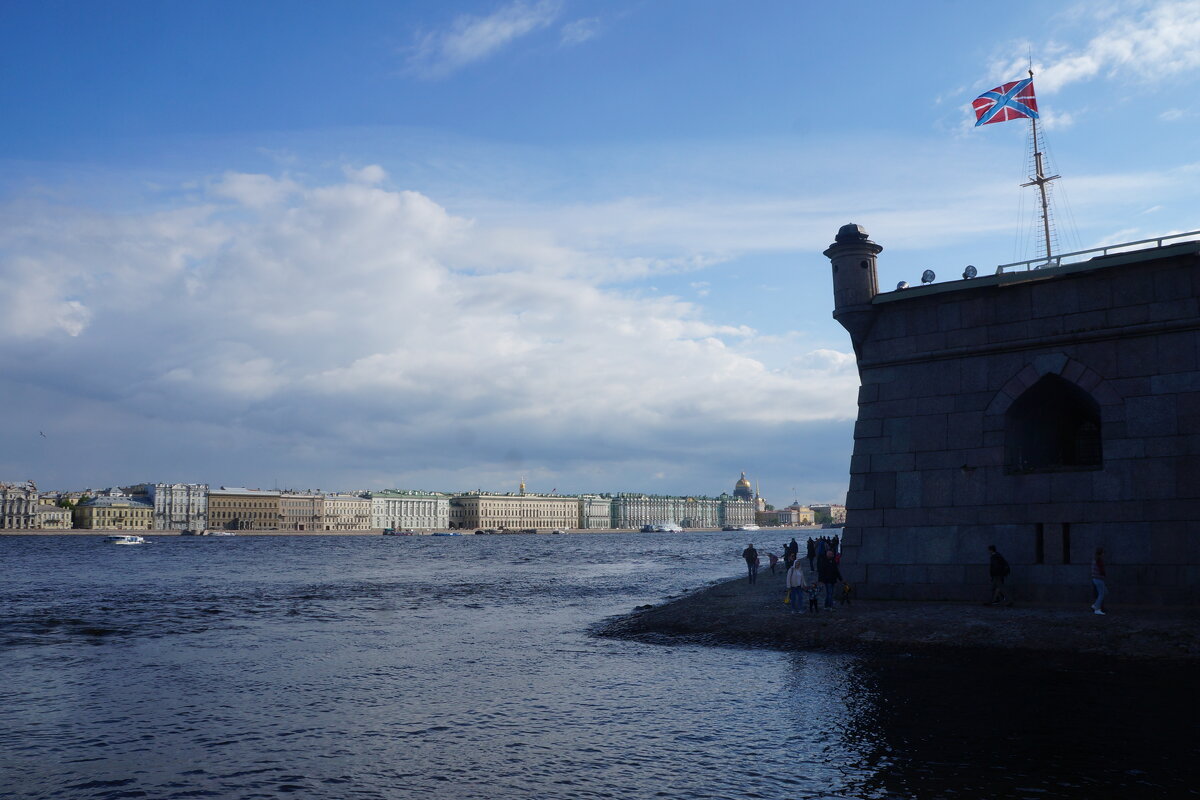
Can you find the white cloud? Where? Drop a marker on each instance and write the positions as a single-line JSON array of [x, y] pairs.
[[370, 174], [437, 54], [1056, 120], [33, 306], [255, 191], [357, 325], [580, 31], [1173, 115], [1147, 41]]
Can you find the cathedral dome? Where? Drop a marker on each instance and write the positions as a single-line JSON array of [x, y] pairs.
[[742, 488]]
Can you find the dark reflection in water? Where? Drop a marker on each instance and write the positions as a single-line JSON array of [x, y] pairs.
[[972, 726], [460, 668]]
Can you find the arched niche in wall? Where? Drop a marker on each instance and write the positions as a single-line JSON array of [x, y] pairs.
[[1053, 425]]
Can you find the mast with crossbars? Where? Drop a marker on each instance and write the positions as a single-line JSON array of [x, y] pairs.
[[1016, 100], [1040, 179]]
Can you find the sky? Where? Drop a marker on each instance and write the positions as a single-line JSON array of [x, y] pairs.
[[456, 245]]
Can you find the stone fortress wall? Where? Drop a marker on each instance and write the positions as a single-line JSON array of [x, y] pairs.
[[1047, 412]]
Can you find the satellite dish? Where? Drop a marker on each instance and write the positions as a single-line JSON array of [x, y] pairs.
[[970, 272], [902, 285], [927, 276]]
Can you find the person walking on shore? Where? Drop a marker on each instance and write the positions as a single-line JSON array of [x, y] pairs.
[[998, 569], [751, 556], [791, 552], [1099, 581], [797, 585], [829, 575]]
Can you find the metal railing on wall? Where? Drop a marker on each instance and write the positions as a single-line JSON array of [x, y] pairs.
[[1062, 258]]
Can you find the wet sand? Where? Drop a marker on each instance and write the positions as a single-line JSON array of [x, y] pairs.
[[738, 613]]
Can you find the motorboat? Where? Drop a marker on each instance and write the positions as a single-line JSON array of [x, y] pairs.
[[124, 539], [219, 533], [394, 532], [446, 533]]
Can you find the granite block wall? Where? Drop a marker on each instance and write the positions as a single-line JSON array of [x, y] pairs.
[[932, 484]]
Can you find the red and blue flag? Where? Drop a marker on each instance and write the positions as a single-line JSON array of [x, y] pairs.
[[1013, 100]]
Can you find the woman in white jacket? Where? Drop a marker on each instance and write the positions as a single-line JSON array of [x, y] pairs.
[[796, 585]]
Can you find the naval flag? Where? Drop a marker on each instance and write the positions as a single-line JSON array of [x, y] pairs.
[[1013, 100]]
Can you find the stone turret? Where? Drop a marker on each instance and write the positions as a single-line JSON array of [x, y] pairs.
[[855, 281]]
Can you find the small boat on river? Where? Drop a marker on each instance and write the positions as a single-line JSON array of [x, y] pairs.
[[124, 539]]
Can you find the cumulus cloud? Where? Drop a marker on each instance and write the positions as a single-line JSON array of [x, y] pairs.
[[469, 38], [253, 191], [370, 174], [347, 329]]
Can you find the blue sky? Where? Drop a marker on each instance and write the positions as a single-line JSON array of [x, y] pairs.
[[450, 245]]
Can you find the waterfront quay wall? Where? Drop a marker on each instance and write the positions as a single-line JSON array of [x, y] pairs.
[[1047, 412]]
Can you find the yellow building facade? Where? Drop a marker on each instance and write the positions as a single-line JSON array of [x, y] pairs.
[[244, 509], [114, 514], [515, 511]]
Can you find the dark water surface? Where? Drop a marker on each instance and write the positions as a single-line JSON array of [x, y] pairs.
[[397, 667]]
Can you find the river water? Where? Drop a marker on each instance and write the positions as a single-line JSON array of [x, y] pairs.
[[461, 667]]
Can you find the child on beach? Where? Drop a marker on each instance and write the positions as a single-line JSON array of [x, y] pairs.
[[845, 593], [812, 600]]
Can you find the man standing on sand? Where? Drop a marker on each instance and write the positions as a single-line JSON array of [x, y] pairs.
[[751, 556], [998, 569], [828, 574]]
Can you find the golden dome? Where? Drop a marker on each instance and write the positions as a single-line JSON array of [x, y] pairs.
[[742, 482]]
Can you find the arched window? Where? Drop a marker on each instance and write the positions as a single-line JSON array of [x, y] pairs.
[[1054, 425]]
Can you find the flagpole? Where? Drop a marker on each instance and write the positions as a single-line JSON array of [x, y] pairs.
[[1040, 181]]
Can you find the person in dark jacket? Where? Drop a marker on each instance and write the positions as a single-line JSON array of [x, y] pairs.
[[829, 575], [1099, 582], [998, 569], [811, 552], [751, 556]]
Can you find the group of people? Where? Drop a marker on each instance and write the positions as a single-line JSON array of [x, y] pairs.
[[999, 569], [823, 557]]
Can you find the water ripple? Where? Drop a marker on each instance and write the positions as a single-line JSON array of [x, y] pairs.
[[459, 668]]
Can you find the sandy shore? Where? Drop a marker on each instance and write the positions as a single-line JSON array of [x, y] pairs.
[[738, 613]]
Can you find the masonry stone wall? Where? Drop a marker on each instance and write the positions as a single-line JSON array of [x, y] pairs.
[[932, 483]]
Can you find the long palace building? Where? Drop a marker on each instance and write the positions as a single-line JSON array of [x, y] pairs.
[[627, 510]]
